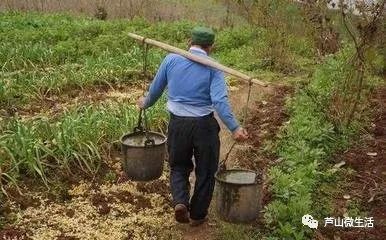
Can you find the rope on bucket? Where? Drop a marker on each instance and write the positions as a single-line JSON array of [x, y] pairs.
[[222, 165], [145, 51]]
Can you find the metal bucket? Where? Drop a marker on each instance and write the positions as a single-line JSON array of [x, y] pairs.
[[144, 154], [238, 195]]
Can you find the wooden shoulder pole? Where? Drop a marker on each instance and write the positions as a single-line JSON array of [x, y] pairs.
[[196, 58]]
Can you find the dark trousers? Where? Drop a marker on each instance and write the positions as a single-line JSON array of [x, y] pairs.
[[198, 137]]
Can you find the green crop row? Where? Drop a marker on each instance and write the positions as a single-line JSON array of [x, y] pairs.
[[304, 147], [43, 54], [23, 86], [80, 138]]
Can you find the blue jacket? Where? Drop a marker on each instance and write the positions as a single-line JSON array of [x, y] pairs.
[[193, 89]]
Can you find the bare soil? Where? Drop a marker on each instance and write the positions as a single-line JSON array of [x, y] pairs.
[[161, 187], [266, 117], [65, 237], [368, 184], [101, 203], [13, 233]]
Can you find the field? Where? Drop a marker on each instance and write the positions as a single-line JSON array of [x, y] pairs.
[[68, 86], [67, 97]]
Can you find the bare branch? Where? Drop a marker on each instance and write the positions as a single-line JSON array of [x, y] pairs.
[[344, 19]]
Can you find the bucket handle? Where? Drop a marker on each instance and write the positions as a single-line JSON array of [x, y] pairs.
[[142, 122], [222, 165], [142, 127], [139, 127]]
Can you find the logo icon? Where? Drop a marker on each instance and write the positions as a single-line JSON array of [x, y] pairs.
[[309, 221]]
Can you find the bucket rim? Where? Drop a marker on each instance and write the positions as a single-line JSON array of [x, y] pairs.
[[256, 182], [124, 136]]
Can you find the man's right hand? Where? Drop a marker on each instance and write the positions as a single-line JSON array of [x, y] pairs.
[[141, 102], [240, 134]]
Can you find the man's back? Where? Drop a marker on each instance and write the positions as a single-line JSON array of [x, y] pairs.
[[194, 90], [188, 82]]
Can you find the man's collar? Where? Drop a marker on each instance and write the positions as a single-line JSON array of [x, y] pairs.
[[197, 50]]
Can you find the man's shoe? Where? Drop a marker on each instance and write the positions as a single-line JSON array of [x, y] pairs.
[[196, 223], [181, 213]]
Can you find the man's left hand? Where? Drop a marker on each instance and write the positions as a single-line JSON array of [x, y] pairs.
[[240, 134]]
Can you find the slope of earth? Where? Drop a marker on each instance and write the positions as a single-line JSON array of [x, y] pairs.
[[367, 186]]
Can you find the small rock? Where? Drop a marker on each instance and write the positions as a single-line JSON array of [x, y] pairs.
[[346, 196], [340, 164], [372, 154], [335, 168], [212, 224]]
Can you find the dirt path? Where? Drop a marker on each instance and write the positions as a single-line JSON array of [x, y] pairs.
[[367, 186], [106, 210], [265, 115], [238, 96]]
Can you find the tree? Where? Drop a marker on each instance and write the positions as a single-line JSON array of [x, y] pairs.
[[362, 22]]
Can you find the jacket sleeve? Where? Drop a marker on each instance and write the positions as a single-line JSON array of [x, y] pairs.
[[219, 97], [158, 85]]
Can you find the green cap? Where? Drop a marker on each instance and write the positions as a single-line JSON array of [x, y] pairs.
[[202, 36]]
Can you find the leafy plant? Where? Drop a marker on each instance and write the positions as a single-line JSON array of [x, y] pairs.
[[305, 145]]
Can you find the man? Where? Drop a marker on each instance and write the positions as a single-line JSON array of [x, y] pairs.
[[194, 92]]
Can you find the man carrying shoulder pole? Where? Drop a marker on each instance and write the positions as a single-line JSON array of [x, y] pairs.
[[195, 91]]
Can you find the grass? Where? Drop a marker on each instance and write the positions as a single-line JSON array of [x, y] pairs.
[[229, 231], [43, 55], [80, 138]]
